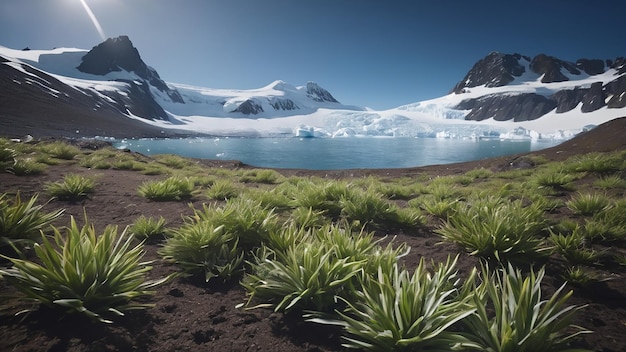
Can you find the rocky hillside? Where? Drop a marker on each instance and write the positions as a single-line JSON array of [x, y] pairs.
[[498, 70]]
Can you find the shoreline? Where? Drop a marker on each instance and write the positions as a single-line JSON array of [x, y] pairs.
[[609, 136]]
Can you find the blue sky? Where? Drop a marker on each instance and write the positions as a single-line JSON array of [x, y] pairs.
[[379, 54]]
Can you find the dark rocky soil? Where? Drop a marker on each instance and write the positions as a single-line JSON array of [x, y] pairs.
[[190, 315]]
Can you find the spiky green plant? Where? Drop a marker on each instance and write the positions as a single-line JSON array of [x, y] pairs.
[[347, 242], [83, 272], [399, 311], [127, 164], [479, 173], [267, 176], [155, 169], [399, 191], [548, 204], [306, 277], [602, 229], [573, 247], [73, 187], [599, 163], [95, 161], [149, 228], [7, 155], [173, 161], [275, 197], [172, 188], [407, 217], [588, 204], [578, 276], [279, 242], [512, 316], [610, 182], [46, 159], [555, 181], [246, 219], [359, 245], [60, 150], [441, 208], [325, 196], [441, 189], [495, 228], [223, 189], [609, 225], [367, 207], [308, 218], [203, 180], [25, 167], [206, 249], [21, 222]]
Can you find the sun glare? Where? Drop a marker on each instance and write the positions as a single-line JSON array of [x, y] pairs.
[[93, 18]]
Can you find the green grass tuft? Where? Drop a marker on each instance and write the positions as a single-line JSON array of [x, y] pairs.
[[98, 275], [21, 222], [73, 187], [172, 188]]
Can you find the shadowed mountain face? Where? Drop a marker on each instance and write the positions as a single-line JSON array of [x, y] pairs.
[[49, 107], [499, 70], [116, 54], [494, 70]]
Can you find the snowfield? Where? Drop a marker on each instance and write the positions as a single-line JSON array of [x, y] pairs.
[[287, 110]]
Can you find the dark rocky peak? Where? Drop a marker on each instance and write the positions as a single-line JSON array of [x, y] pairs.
[[249, 107], [550, 67], [494, 70], [591, 67], [116, 54], [317, 93], [619, 64]]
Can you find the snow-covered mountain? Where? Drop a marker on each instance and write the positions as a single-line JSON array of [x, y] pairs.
[[111, 88]]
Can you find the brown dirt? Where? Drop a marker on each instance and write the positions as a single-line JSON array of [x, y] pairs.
[[190, 315]]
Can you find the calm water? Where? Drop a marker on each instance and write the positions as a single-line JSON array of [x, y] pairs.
[[335, 153]]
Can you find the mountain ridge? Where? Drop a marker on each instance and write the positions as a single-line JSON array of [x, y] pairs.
[[498, 70], [501, 92]]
